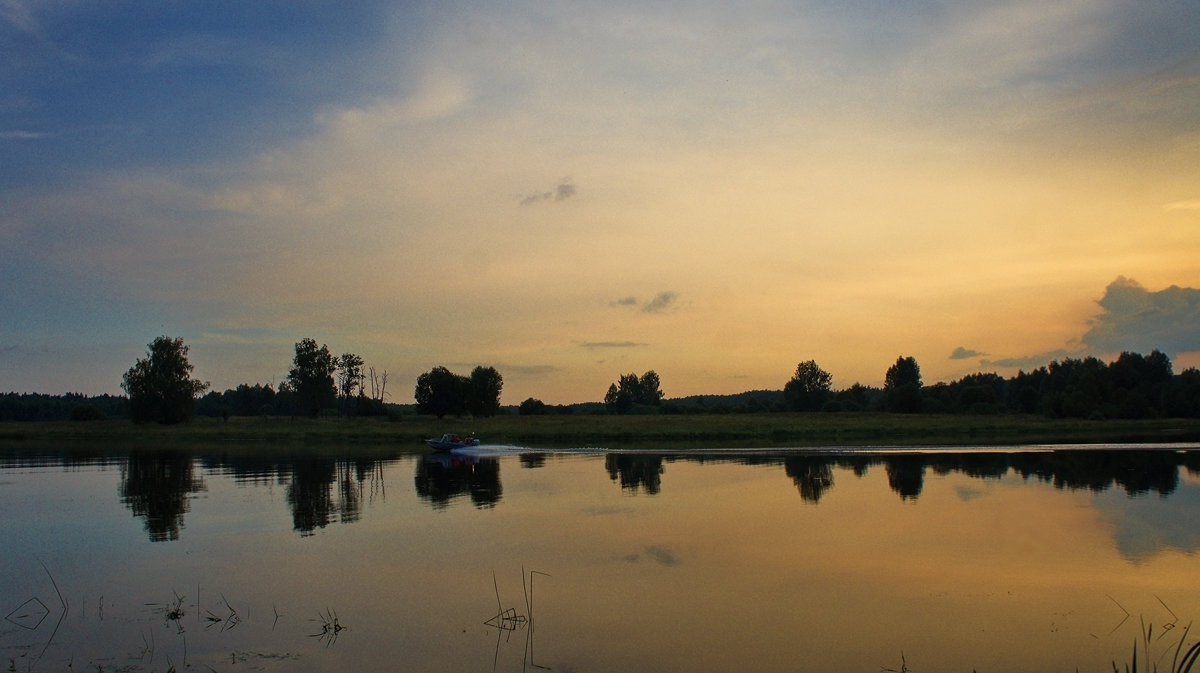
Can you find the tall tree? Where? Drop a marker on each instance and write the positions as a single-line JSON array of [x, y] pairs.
[[902, 386], [311, 376], [160, 386], [629, 390], [648, 391], [809, 387], [439, 392], [349, 378], [483, 391], [617, 401]]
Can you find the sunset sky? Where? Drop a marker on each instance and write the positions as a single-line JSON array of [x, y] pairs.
[[571, 191]]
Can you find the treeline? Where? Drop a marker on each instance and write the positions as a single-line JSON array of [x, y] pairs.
[[72, 406], [1132, 386], [319, 383], [263, 400]]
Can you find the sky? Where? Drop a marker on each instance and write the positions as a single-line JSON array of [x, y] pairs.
[[572, 191]]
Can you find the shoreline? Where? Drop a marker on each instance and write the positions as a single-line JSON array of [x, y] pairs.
[[735, 432]]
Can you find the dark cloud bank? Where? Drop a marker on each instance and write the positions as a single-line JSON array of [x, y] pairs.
[[1132, 319]]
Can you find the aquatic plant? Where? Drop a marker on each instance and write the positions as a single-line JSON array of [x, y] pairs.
[[331, 627], [1179, 664]]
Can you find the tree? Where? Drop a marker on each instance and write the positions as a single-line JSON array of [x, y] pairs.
[[532, 407], [378, 385], [808, 388], [161, 387], [648, 389], [630, 390], [439, 392], [617, 401], [483, 391], [311, 376], [902, 386], [349, 377]]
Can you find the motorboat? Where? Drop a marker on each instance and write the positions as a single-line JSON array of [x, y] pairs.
[[450, 442]]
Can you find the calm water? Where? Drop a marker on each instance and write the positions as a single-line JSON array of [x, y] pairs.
[[1027, 560]]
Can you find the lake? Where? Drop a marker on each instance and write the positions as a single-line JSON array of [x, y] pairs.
[[1020, 559]]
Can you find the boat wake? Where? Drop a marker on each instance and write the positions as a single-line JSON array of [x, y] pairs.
[[497, 450]]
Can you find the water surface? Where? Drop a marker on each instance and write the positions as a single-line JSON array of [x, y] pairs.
[[1027, 559]]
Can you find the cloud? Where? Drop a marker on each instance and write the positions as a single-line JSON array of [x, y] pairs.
[[531, 371], [612, 344], [22, 135], [1192, 204], [962, 353], [18, 15], [661, 303], [565, 190], [1135, 319], [1031, 361]]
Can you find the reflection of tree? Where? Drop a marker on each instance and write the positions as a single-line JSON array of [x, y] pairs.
[[155, 485], [635, 470], [906, 474], [310, 494], [310, 481], [1135, 471], [813, 475], [442, 477], [531, 460]]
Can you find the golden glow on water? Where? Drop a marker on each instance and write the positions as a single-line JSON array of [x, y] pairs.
[[642, 563]]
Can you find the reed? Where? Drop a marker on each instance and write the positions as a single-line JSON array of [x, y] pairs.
[[331, 627], [1182, 661]]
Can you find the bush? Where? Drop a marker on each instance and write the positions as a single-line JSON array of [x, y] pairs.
[[87, 412]]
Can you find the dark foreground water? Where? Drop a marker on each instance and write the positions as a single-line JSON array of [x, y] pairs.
[[1020, 560]]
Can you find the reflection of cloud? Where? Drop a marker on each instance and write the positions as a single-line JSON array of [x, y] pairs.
[[1145, 526], [660, 555], [565, 190], [1135, 319], [961, 353], [612, 344], [968, 493], [661, 303]]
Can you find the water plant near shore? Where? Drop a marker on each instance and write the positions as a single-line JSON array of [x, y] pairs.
[[1147, 663]]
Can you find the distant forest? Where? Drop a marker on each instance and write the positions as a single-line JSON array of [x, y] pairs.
[[1132, 386]]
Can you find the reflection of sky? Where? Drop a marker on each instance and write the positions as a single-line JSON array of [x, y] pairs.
[[725, 564], [1148, 524]]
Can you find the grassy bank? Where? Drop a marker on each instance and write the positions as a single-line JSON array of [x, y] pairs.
[[749, 430]]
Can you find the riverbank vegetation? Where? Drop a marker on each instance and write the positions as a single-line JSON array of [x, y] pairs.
[[406, 432]]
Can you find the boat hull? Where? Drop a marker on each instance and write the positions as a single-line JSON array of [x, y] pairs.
[[447, 444]]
